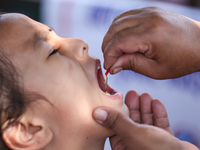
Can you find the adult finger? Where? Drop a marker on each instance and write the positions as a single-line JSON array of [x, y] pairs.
[[118, 122], [137, 62], [129, 12], [160, 116], [117, 143], [120, 25], [126, 42], [145, 109], [132, 101]]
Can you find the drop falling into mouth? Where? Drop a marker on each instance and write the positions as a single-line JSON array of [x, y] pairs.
[[106, 76]]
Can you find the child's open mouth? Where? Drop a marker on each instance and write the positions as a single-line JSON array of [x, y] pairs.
[[102, 83]]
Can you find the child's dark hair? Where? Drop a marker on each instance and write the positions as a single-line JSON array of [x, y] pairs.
[[12, 102], [12, 99]]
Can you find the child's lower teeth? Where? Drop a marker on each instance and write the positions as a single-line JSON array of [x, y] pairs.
[[107, 93]]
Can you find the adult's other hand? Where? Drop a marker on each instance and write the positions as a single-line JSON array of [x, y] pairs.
[[131, 134], [143, 110]]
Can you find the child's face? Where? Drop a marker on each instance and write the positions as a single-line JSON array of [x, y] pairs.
[[69, 79]]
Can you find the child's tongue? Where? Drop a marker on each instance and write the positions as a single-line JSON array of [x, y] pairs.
[[102, 83]]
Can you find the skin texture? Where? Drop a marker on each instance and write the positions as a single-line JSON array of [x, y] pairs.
[[147, 128], [68, 81], [153, 42]]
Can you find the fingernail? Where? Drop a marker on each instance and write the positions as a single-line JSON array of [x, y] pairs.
[[116, 70], [100, 115]]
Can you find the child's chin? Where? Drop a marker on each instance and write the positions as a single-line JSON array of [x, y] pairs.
[[126, 110]]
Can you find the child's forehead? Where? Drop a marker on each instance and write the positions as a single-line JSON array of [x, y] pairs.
[[14, 21], [18, 23], [16, 30], [13, 18], [14, 24]]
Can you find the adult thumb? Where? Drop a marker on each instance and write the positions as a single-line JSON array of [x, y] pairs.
[[115, 120]]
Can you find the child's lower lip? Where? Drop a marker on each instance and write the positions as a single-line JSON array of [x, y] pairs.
[[116, 95]]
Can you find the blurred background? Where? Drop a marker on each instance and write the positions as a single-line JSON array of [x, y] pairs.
[[90, 19]]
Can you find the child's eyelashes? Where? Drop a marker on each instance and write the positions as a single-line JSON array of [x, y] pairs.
[[53, 52]]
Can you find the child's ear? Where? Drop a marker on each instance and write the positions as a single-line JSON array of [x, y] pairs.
[[27, 134]]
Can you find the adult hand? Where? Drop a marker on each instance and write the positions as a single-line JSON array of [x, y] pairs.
[[134, 136], [143, 110], [154, 42]]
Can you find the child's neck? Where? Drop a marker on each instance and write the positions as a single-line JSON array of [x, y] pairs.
[[77, 144], [92, 145]]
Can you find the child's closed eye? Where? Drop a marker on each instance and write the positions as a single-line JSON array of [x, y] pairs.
[[53, 52]]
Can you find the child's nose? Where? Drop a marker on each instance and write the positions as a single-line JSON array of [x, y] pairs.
[[75, 46]]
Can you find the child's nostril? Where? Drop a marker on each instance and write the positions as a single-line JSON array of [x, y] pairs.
[[84, 48]]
